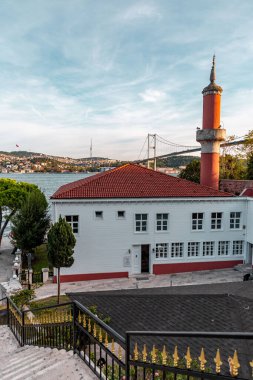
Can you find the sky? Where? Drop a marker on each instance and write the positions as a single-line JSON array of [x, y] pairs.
[[115, 70]]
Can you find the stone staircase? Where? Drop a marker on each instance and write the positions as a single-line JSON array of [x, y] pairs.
[[30, 363]]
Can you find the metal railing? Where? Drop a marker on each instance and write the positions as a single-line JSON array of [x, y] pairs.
[[135, 357]]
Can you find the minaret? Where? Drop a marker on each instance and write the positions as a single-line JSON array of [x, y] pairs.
[[211, 135]]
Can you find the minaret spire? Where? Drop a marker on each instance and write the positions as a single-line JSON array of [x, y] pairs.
[[213, 71]]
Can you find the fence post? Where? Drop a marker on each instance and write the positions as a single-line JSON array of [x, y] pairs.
[[74, 326], [23, 329], [8, 312], [127, 356]]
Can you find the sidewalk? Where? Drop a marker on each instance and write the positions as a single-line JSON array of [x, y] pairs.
[[6, 260], [141, 282]]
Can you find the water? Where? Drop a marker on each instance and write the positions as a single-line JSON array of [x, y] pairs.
[[47, 182]]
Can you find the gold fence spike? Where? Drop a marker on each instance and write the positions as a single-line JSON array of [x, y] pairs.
[[120, 352], [164, 356], [84, 321], [136, 353], [175, 357], [79, 317], [100, 336], [251, 364], [89, 325], [188, 358], [234, 364], [94, 330], [202, 360], [144, 353], [113, 346], [153, 354], [106, 340], [218, 362]]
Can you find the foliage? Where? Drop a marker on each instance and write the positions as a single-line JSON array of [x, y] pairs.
[[191, 172], [12, 195], [249, 173], [232, 167], [61, 242], [23, 297], [93, 309], [31, 222]]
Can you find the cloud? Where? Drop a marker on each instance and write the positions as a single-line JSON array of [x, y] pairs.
[[152, 96], [140, 11]]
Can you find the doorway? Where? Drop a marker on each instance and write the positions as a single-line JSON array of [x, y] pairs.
[[145, 258]]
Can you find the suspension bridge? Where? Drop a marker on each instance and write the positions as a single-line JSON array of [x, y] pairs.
[[155, 143]]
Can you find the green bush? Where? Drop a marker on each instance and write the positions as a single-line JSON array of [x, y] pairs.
[[23, 297]]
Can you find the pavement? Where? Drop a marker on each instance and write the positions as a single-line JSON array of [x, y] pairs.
[[144, 281], [6, 260]]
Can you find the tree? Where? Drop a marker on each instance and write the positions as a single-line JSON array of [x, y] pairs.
[[191, 172], [232, 167], [31, 222], [12, 195], [249, 173], [61, 243]]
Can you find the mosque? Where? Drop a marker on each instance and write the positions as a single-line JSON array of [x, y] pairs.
[[132, 220]]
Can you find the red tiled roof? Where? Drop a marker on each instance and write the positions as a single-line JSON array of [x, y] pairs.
[[134, 181]]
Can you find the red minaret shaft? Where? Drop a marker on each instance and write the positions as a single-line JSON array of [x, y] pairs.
[[211, 135]]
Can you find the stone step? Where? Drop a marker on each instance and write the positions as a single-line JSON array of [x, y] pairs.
[[38, 363]]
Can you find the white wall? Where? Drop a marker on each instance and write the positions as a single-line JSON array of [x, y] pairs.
[[102, 244]]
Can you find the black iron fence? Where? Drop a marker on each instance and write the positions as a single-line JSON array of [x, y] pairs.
[[37, 277], [3, 311], [135, 357]]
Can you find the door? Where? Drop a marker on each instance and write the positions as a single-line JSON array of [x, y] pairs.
[[145, 258], [136, 259]]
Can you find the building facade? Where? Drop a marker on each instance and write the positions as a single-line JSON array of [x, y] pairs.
[[132, 220]]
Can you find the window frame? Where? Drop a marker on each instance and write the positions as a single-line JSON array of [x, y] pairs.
[[176, 247], [224, 246], [164, 250], [207, 247], [216, 220], [162, 220], [195, 244], [97, 217], [234, 220], [121, 217], [234, 247], [197, 219], [141, 221], [71, 222]]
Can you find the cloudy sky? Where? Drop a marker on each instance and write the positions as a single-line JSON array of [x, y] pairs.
[[116, 70]]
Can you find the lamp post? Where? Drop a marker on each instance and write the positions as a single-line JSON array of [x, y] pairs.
[[29, 262]]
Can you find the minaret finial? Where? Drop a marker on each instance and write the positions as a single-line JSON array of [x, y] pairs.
[[213, 74]]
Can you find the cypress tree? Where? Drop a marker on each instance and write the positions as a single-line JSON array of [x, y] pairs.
[[61, 243]]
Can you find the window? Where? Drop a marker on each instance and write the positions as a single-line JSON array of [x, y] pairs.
[[216, 219], [237, 247], [141, 221], [208, 248], [161, 222], [197, 221], [73, 222], [177, 249], [121, 214], [235, 220], [161, 250], [99, 214], [223, 248], [193, 248]]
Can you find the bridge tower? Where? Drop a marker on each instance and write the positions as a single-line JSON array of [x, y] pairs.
[[211, 135]]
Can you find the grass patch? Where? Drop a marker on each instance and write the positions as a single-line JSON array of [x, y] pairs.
[[49, 301], [40, 259]]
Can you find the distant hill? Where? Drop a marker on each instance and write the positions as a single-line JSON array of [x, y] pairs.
[[20, 153], [176, 161]]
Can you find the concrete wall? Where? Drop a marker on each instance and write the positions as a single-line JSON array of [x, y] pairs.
[[111, 245]]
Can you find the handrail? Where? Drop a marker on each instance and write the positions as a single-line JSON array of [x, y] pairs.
[[5, 298], [101, 323], [195, 334], [15, 307]]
